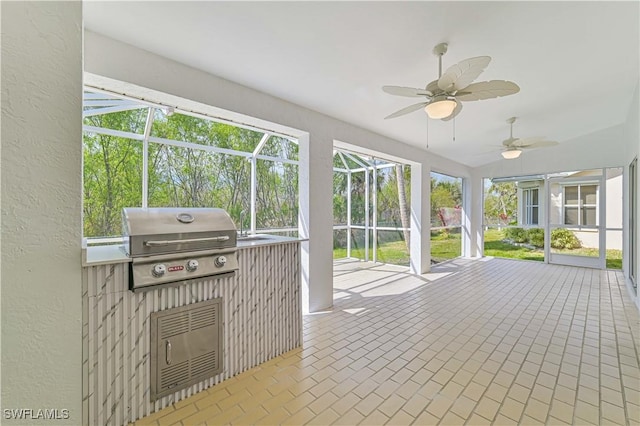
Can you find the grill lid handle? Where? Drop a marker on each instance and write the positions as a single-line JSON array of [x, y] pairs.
[[159, 243]]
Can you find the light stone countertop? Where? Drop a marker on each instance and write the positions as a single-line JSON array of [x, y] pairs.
[[111, 254]]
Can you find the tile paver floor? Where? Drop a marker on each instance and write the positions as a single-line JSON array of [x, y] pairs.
[[473, 342]]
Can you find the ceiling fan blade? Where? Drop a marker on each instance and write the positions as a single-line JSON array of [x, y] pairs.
[[460, 75], [487, 90], [455, 112], [509, 142], [523, 142], [538, 143], [407, 110], [406, 91]]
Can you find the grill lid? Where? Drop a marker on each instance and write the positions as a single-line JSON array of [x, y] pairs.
[[154, 221], [154, 231]]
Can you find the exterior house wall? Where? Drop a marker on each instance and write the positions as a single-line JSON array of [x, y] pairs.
[[590, 239], [615, 189], [541, 202]]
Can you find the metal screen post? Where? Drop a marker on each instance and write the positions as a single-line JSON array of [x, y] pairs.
[[145, 158], [366, 214], [375, 211], [349, 213]]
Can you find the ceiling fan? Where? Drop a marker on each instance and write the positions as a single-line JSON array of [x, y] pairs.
[[443, 96], [513, 146]]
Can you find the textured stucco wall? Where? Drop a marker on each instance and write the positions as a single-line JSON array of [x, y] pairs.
[[41, 79]]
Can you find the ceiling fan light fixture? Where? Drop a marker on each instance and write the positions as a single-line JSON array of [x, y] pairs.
[[511, 153], [440, 108]]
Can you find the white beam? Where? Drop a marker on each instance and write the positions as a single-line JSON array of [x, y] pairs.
[[346, 166], [356, 160], [109, 110], [366, 216], [375, 213], [315, 221], [145, 157], [420, 244], [349, 214], [261, 144], [276, 159], [254, 196], [472, 214], [199, 146], [111, 132]]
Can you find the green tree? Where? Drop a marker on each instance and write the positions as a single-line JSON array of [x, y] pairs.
[[501, 204], [183, 176], [445, 194], [112, 171], [403, 206]]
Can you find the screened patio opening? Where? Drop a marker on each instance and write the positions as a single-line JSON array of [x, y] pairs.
[[141, 154], [371, 213]]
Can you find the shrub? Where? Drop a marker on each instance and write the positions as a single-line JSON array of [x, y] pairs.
[[536, 237], [564, 239], [518, 235]]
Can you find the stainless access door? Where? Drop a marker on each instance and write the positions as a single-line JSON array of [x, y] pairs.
[[186, 346]]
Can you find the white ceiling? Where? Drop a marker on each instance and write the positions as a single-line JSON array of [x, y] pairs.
[[575, 62]]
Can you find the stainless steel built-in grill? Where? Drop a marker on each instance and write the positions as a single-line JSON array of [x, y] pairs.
[[174, 245]]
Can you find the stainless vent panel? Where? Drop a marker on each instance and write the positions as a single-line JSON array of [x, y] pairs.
[[200, 365], [172, 376], [173, 325], [186, 346], [203, 317]]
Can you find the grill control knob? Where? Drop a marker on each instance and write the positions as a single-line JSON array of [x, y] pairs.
[[158, 270], [220, 261], [192, 265]]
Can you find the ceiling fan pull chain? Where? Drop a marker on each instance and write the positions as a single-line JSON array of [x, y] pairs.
[[427, 134], [454, 129]]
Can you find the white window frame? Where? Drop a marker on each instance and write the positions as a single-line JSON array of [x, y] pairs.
[[580, 205], [527, 204]]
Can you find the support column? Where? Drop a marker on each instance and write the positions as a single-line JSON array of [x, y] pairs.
[[472, 229], [349, 214], [316, 222], [420, 247]]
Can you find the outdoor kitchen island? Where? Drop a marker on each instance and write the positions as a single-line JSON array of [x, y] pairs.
[[261, 319]]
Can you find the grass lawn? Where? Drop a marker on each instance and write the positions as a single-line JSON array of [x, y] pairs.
[[447, 246], [494, 246], [443, 246], [394, 252], [614, 257]]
